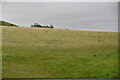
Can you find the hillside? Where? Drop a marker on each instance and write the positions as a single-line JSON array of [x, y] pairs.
[[57, 53], [4, 23]]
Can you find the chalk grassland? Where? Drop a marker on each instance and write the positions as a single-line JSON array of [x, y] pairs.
[[0, 53], [57, 53]]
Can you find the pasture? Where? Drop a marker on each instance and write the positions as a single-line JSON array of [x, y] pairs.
[[58, 53]]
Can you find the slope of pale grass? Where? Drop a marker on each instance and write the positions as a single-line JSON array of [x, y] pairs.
[[0, 53], [57, 53]]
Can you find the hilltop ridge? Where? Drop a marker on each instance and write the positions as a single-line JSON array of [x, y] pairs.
[[5, 23]]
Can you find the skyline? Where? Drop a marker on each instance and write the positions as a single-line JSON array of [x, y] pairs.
[[77, 15]]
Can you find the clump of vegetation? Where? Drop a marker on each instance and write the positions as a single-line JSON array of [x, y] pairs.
[[4, 23], [42, 26]]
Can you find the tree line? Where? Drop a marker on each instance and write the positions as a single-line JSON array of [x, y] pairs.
[[42, 26]]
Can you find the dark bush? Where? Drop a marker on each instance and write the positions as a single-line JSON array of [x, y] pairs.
[[41, 26], [51, 26]]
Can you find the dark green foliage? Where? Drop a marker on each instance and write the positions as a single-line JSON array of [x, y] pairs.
[[51, 26], [42, 26], [4, 23]]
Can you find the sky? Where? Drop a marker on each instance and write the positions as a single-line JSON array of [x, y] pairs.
[[59, 0], [65, 15]]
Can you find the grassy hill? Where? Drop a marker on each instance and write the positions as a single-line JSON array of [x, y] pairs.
[[4, 23], [57, 53]]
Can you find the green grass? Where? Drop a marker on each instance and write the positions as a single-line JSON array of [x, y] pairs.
[[57, 53], [0, 53]]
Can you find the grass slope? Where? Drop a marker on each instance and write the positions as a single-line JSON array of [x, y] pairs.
[[4, 23], [56, 53]]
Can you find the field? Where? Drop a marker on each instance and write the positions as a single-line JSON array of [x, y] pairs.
[[59, 53]]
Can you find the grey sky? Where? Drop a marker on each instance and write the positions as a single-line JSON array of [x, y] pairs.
[[0, 10], [71, 15], [59, 0]]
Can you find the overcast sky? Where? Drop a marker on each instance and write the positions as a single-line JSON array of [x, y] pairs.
[[59, 0], [71, 15]]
